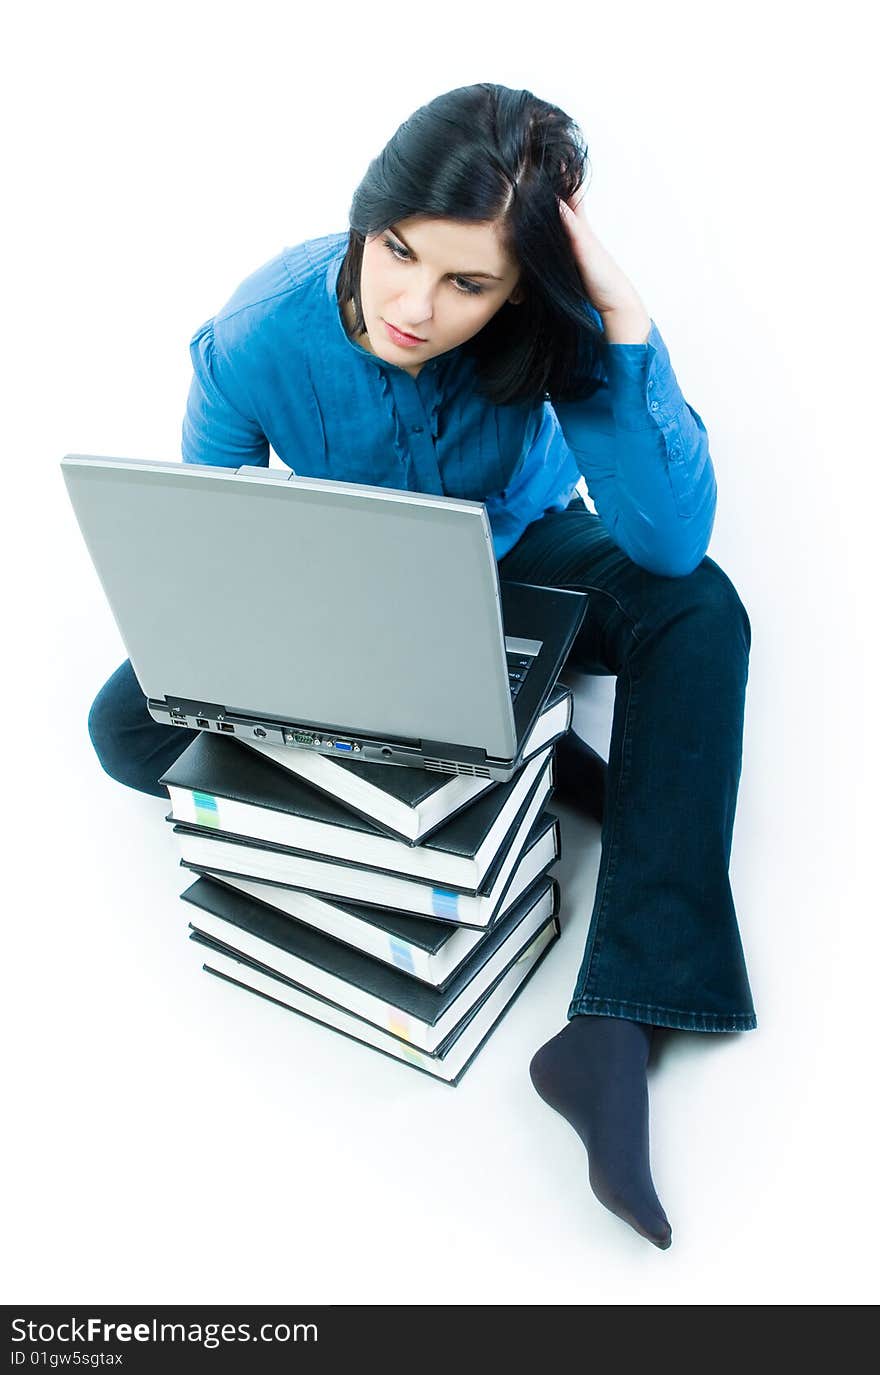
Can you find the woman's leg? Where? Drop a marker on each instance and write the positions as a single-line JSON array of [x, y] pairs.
[[663, 945], [132, 747]]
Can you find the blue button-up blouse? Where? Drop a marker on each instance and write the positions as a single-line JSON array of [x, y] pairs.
[[276, 367]]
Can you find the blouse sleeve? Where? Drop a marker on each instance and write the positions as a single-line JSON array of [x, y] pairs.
[[217, 428], [645, 455]]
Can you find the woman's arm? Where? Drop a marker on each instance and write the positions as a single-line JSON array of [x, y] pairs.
[[644, 452], [216, 427], [642, 449]]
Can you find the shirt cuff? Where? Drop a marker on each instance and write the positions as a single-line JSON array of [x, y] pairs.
[[643, 389]]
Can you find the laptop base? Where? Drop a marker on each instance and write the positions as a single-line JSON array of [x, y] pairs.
[[434, 755]]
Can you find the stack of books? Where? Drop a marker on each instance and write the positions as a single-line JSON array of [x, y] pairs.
[[403, 907]]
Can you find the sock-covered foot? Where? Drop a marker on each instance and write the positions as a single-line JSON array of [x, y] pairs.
[[594, 1072], [580, 776]]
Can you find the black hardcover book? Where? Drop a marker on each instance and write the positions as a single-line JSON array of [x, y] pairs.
[[456, 1053], [386, 998], [320, 873], [408, 804], [427, 949], [217, 784]]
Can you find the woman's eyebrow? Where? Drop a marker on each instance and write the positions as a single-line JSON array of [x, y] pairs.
[[491, 275]]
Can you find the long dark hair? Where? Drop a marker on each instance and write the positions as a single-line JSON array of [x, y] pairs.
[[487, 153]]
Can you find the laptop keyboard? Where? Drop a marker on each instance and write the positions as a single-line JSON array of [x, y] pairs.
[[518, 666]]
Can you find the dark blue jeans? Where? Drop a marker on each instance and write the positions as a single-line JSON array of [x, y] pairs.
[[663, 944]]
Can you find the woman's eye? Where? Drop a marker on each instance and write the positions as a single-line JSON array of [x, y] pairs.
[[468, 288], [395, 248]]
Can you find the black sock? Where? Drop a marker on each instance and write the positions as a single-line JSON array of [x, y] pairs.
[[594, 1074], [580, 776]]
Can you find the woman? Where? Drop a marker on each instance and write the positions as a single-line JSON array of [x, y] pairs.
[[469, 335]]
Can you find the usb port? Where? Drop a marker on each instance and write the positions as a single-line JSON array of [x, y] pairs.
[[224, 725]]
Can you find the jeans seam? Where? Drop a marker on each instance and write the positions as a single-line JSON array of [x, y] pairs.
[[657, 1009], [613, 840], [660, 1007]]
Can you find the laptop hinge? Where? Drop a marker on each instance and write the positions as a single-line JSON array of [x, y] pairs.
[[186, 707]]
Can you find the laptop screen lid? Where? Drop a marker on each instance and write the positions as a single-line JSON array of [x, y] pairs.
[[341, 605]]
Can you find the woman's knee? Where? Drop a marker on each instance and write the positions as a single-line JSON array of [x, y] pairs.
[[718, 593], [112, 706], [100, 726], [123, 734], [710, 594]]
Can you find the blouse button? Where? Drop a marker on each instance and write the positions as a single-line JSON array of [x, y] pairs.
[[417, 429]]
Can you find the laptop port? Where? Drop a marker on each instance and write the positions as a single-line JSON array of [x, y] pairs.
[[343, 745], [224, 725], [202, 721], [300, 738]]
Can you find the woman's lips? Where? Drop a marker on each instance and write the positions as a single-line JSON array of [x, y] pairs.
[[398, 337]]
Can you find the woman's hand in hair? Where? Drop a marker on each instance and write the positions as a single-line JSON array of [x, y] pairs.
[[609, 289]]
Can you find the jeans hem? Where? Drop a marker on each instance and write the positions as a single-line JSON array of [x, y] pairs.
[[663, 1016]]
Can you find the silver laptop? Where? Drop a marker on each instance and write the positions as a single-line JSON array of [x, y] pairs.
[[326, 616]]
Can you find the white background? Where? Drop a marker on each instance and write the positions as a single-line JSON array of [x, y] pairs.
[[169, 1139]]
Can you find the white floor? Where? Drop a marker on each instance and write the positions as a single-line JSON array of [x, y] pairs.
[[168, 1139], [175, 1140]]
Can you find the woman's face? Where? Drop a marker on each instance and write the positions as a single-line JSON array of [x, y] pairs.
[[437, 279]]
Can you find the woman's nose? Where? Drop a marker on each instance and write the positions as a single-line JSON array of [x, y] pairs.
[[416, 310]]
